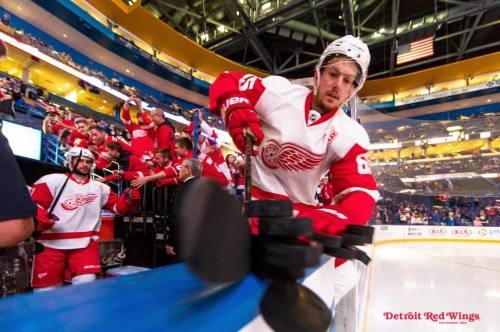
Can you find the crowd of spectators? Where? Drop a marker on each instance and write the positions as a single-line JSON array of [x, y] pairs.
[[112, 82], [411, 130], [484, 212], [478, 164]]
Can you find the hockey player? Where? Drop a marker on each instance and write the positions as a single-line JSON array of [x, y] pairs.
[[300, 135], [71, 232]]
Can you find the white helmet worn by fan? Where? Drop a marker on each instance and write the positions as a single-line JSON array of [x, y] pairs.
[[74, 152], [352, 48]]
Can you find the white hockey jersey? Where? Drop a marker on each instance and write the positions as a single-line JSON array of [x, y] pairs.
[[300, 145], [79, 209]]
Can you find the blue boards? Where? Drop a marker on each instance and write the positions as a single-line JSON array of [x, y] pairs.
[[162, 299]]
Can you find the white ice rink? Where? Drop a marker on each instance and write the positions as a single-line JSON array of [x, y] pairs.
[[437, 278]]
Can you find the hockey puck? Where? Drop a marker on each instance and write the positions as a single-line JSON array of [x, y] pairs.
[[285, 226], [327, 241], [360, 230], [268, 208], [290, 256], [287, 306], [214, 236], [355, 239]]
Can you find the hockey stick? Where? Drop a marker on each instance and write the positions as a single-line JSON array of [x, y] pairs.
[[196, 133], [249, 139]]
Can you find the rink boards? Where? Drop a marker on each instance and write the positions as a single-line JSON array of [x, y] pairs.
[[167, 298], [171, 298]]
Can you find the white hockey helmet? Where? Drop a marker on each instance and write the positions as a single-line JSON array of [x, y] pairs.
[[354, 49], [75, 152]]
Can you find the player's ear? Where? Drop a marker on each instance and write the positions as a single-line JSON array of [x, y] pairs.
[[315, 77]]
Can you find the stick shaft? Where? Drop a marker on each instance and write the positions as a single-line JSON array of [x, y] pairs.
[[58, 196]]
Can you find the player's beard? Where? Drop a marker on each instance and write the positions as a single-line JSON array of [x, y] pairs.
[[82, 171]]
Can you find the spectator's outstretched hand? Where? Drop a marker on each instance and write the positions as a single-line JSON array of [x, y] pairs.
[[139, 182]]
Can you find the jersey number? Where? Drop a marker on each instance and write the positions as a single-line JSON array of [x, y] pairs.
[[247, 82], [363, 165]]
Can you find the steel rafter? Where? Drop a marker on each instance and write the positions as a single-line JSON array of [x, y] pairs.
[[467, 39], [196, 15], [457, 15], [263, 24], [394, 42], [318, 25], [257, 46], [348, 17]]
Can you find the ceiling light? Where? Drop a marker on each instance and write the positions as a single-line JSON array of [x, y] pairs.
[[19, 7], [266, 6], [38, 71], [381, 30], [127, 70], [340, 17], [237, 13], [221, 28], [488, 101], [65, 35], [204, 36], [105, 101]]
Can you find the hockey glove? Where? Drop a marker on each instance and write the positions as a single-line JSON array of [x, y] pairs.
[[129, 201], [237, 120], [44, 221]]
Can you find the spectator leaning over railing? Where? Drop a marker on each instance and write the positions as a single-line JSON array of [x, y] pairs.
[[131, 166], [183, 150], [101, 139], [80, 136]]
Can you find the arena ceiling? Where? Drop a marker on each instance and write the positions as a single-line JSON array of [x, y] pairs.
[[286, 37]]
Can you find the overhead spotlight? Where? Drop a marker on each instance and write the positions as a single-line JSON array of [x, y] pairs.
[[266, 6], [204, 36], [65, 35], [127, 70], [381, 30], [221, 28]]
